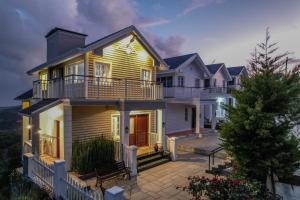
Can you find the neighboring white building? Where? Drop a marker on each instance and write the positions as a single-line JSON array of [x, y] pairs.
[[192, 92]]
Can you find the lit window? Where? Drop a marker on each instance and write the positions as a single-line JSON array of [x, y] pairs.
[[102, 72], [146, 77]]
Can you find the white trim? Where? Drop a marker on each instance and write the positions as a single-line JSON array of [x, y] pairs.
[[99, 60]]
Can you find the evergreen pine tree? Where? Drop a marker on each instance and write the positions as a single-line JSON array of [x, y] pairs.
[[258, 132]]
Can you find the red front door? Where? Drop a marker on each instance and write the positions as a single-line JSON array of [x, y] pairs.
[[139, 132]]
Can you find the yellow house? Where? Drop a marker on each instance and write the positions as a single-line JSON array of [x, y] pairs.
[[106, 88]]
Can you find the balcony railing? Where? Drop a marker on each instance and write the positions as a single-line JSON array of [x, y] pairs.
[[192, 92], [75, 86]]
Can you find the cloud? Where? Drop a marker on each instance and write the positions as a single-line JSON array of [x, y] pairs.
[[196, 4], [24, 24]]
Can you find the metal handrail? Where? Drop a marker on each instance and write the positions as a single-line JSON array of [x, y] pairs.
[[212, 153]]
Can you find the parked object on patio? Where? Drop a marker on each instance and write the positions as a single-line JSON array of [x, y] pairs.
[[121, 170], [155, 147], [153, 159]]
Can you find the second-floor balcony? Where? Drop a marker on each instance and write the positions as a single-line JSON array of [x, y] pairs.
[[193, 92], [89, 87]]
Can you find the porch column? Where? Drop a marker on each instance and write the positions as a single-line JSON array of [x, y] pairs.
[[67, 135], [86, 73], [124, 130], [198, 120], [161, 130], [202, 115], [213, 116]]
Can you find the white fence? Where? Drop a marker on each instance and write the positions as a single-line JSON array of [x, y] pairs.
[[55, 180], [73, 190], [42, 174]]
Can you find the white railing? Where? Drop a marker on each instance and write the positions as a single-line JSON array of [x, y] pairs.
[[191, 92], [48, 145], [97, 88], [42, 173], [58, 183], [72, 190]]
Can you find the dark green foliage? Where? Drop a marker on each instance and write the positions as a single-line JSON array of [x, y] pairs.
[[258, 133], [225, 188], [23, 189], [10, 146], [97, 153]]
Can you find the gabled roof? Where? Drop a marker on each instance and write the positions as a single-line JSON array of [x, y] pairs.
[[105, 41], [26, 95], [176, 61], [35, 107], [235, 71], [213, 68]]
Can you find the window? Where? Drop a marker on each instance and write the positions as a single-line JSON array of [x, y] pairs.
[[146, 77], [207, 83], [116, 127], [102, 72], [220, 112], [197, 82], [44, 80], [180, 81], [232, 81], [75, 73], [166, 81], [186, 114], [215, 82]]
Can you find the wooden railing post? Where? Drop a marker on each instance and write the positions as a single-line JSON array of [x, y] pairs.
[[59, 174]]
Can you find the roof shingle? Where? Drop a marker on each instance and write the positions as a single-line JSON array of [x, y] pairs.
[[28, 111], [234, 71], [26, 95], [176, 61], [213, 68]]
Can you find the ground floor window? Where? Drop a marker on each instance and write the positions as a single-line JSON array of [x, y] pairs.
[[220, 112]]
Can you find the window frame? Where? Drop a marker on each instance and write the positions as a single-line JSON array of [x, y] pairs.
[[180, 81], [115, 136], [72, 76]]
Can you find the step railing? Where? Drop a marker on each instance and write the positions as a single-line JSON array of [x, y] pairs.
[[212, 155]]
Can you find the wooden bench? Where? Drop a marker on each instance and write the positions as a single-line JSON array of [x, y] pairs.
[[121, 170]]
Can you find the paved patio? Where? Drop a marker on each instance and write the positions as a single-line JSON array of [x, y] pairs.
[[160, 182]]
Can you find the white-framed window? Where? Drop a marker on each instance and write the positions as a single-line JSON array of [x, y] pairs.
[[44, 80], [186, 114], [102, 72], [74, 72], [180, 81], [146, 77], [115, 126]]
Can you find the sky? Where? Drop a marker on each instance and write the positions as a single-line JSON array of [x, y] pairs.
[[218, 30]]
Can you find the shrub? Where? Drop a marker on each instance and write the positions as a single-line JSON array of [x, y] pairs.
[[225, 188], [97, 153]]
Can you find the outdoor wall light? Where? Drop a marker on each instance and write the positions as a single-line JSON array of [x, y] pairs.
[[126, 129], [29, 126], [163, 124], [39, 131]]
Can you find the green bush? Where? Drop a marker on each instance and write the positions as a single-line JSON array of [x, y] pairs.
[[225, 188], [97, 153]]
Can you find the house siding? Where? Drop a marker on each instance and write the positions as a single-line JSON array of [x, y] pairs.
[[91, 121], [175, 118]]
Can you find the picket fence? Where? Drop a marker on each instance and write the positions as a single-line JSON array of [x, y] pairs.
[[57, 182]]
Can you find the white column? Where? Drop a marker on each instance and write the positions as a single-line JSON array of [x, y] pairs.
[[213, 115], [114, 193], [86, 73], [202, 115], [132, 154], [198, 120], [67, 140], [173, 148], [27, 164], [124, 130], [59, 174], [159, 126]]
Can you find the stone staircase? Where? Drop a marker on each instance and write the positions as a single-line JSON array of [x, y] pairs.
[[153, 159]]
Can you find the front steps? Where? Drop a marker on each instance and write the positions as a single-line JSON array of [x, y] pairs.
[[151, 160]]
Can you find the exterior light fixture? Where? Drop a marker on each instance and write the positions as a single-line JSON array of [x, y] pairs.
[[163, 124], [29, 126], [126, 129]]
